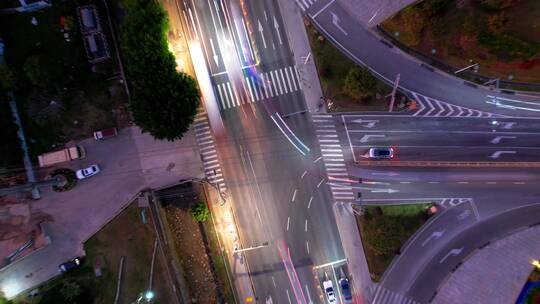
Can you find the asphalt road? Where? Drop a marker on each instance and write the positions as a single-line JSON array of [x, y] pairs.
[[445, 139], [360, 44], [276, 190]]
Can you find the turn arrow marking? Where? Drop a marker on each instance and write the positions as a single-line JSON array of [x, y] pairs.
[[262, 35], [435, 235], [335, 21], [452, 252]]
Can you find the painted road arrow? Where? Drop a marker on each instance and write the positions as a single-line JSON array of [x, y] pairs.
[[365, 138], [435, 235], [262, 35], [214, 52], [368, 123], [335, 21], [452, 252], [498, 139], [276, 26], [497, 154]]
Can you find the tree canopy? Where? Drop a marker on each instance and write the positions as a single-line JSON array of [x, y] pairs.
[[163, 100], [359, 83]]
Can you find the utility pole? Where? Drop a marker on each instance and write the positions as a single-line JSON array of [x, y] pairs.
[[396, 84]]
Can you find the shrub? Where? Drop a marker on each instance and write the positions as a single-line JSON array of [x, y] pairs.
[[414, 20], [360, 83], [510, 46], [199, 212]]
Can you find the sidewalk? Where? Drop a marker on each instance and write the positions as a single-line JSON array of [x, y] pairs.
[[299, 43], [507, 272], [225, 226]]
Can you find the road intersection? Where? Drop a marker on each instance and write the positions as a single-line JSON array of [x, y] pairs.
[[292, 173]]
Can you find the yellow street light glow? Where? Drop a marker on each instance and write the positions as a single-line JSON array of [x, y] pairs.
[[536, 263]]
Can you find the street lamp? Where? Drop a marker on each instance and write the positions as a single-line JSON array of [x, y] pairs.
[[146, 297]]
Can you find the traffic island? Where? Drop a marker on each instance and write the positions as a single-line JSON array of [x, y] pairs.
[[384, 230], [346, 86]]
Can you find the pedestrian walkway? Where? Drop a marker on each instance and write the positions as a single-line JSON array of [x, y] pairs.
[[301, 49], [507, 272], [208, 151], [426, 106], [262, 87], [332, 157]]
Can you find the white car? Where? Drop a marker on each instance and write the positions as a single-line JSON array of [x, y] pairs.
[[329, 291], [87, 172]]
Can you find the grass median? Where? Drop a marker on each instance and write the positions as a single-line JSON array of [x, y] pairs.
[[385, 229]]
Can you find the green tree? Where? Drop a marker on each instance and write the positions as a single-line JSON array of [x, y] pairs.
[[414, 20], [200, 212], [359, 83], [164, 101], [497, 23], [498, 4]]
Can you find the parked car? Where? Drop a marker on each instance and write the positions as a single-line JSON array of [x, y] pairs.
[[87, 172], [345, 290], [381, 153], [329, 291], [69, 265], [105, 133]]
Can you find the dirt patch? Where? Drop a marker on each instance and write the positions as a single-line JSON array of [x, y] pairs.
[[190, 244]]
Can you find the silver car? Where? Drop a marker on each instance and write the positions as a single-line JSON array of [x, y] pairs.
[[381, 153]]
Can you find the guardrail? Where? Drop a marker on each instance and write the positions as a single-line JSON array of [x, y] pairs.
[[430, 63]]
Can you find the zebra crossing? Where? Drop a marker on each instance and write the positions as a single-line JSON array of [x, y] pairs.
[[266, 85], [208, 151], [332, 157], [432, 107], [451, 202], [305, 4], [385, 296]]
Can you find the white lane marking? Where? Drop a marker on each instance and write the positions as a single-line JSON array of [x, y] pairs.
[[452, 252], [519, 183], [281, 91], [318, 159], [309, 203], [303, 174], [462, 182], [306, 226], [293, 196], [290, 69], [289, 79], [404, 182], [320, 183], [331, 146], [256, 88], [273, 281], [328, 140], [273, 83], [307, 248], [251, 94], [232, 95], [288, 222], [288, 296], [265, 86], [497, 154], [286, 89]]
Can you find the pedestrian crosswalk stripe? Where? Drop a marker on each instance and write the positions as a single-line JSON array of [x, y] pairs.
[[251, 95], [287, 89], [232, 95]]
